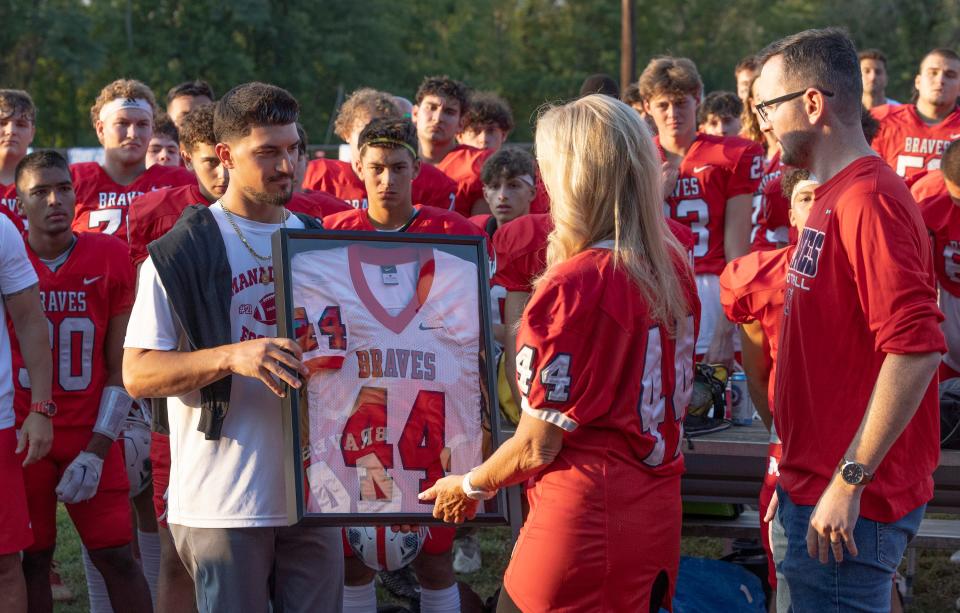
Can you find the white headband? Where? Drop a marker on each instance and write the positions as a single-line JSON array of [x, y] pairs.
[[801, 185], [131, 104], [526, 179]]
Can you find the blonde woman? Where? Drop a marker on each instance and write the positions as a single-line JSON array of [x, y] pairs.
[[604, 364]]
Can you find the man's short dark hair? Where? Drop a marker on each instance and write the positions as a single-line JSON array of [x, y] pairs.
[[872, 54], [631, 95], [445, 87], [748, 63], [15, 102], [823, 59], [943, 52], [950, 162], [196, 128], [164, 126], [488, 108], [391, 133], [197, 87], [252, 105], [507, 163], [302, 145], [38, 160], [721, 104], [600, 84], [790, 179]]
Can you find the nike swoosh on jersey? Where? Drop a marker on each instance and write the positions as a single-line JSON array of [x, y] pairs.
[[701, 168], [87, 281], [422, 327], [954, 136]]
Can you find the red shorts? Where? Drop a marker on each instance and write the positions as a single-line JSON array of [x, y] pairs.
[[160, 465], [104, 520], [15, 532], [439, 540], [766, 494]]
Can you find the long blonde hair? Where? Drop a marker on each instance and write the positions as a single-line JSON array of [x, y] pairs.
[[602, 173]]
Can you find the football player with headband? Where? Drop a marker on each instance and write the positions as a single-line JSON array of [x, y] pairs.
[[617, 280], [388, 163], [716, 178], [123, 119], [86, 286]]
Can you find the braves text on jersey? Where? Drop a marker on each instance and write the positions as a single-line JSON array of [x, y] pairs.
[[771, 209], [463, 164], [8, 205], [714, 170], [862, 271], [94, 284], [102, 203], [907, 143], [393, 349], [430, 188]]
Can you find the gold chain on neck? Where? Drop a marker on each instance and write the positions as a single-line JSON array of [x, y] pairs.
[[243, 239]]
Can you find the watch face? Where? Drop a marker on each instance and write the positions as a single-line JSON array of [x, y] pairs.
[[852, 473]]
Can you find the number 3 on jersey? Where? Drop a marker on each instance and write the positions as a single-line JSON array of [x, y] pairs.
[[696, 215]]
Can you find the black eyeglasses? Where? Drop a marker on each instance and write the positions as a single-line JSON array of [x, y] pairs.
[[761, 108]]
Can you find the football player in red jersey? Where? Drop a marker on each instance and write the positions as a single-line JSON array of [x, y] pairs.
[[388, 163], [873, 71], [317, 203], [863, 272], [713, 194], [18, 118], [164, 146], [912, 136], [770, 218], [616, 310], [439, 112], [752, 290], [183, 98], [744, 74], [123, 119], [488, 123], [86, 283], [719, 115], [430, 188]]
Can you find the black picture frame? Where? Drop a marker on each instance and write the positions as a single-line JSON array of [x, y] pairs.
[[287, 244]]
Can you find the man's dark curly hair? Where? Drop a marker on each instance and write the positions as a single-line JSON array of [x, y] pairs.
[[445, 87], [252, 105], [164, 126], [790, 180], [721, 104], [391, 133], [507, 163], [196, 128], [488, 108]]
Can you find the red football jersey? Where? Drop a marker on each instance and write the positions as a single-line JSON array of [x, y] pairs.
[[908, 143], [155, 214], [463, 164], [715, 169], [928, 185], [541, 202], [942, 218], [95, 284], [430, 188], [102, 204], [8, 205], [860, 285], [752, 288], [771, 209], [317, 204]]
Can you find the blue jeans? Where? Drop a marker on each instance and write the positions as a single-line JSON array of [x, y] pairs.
[[861, 583]]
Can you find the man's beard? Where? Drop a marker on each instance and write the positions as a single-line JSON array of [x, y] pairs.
[[795, 149], [269, 199]]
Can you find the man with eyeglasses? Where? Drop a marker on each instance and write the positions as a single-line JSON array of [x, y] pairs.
[[713, 195], [855, 390], [912, 137]]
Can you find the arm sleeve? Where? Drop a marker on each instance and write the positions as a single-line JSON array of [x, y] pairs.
[[893, 270], [16, 271], [747, 172], [152, 324]]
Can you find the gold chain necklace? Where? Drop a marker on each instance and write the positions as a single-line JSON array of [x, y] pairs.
[[243, 239]]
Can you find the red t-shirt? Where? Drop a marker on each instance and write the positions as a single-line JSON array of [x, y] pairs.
[[431, 187], [908, 143], [102, 203], [155, 214], [463, 164], [771, 209], [752, 288], [94, 284], [942, 219], [861, 285], [715, 169]]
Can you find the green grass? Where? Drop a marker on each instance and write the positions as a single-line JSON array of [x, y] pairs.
[[936, 585]]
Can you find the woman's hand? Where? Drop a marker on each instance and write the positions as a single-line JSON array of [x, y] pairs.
[[452, 505]]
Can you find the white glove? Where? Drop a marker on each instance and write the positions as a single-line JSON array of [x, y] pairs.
[[81, 478]]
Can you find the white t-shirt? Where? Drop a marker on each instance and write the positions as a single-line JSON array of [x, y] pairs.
[[236, 481], [16, 274]]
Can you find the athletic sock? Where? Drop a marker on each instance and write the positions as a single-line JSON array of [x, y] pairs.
[[359, 598], [446, 600], [149, 543], [96, 588]]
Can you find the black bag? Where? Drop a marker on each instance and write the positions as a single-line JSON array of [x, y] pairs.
[[950, 414]]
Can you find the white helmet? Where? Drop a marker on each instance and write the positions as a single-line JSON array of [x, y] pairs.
[[381, 548], [135, 434]]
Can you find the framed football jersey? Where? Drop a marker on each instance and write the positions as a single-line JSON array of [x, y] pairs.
[[395, 331]]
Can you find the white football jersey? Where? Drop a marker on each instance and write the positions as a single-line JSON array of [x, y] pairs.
[[393, 396]]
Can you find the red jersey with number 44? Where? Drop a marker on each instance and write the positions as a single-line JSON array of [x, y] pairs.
[[102, 203], [431, 187], [715, 169], [860, 286], [908, 143], [94, 284]]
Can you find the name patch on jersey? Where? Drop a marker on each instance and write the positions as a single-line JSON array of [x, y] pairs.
[[686, 187], [109, 200], [807, 258], [397, 364], [63, 302], [924, 146]]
